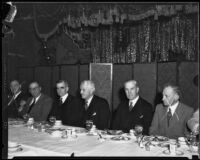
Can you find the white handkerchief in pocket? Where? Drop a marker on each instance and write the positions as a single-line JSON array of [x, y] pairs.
[[141, 116]]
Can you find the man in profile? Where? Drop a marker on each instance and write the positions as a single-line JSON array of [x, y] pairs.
[[66, 107], [39, 105], [94, 107], [17, 100], [134, 111], [171, 117]]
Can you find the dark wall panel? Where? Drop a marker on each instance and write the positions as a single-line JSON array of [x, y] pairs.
[[187, 71], [145, 74], [84, 72], [26, 75], [70, 73], [121, 73], [55, 77], [43, 75], [166, 74], [101, 75]]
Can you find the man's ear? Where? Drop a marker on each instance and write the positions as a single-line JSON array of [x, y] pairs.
[[176, 96]]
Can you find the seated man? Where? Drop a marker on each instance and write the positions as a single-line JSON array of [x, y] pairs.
[[193, 122], [17, 100], [134, 111], [39, 105], [95, 108], [66, 108], [170, 118]]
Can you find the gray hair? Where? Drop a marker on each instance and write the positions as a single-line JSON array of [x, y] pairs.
[[133, 81], [175, 88], [88, 83]]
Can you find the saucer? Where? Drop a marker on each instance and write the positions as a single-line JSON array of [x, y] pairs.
[[178, 152]]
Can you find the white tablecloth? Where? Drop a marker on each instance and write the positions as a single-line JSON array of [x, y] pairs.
[[43, 144]]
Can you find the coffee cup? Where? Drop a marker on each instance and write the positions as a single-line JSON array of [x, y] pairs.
[[58, 122]]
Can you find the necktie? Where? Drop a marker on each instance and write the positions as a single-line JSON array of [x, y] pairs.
[[12, 99], [86, 105], [60, 101], [31, 106], [130, 106], [169, 116]]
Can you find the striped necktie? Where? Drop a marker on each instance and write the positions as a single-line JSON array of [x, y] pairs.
[[169, 116]]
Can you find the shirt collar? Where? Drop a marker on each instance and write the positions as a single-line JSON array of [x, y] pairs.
[[64, 97], [134, 101], [173, 107], [15, 96], [36, 99], [89, 100]]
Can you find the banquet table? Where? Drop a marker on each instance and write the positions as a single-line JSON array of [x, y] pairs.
[[36, 143]]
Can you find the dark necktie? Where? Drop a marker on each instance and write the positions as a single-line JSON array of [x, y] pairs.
[[60, 101], [31, 106], [130, 106], [86, 105], [169, 116]]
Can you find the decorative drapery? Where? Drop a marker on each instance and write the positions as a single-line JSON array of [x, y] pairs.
[[126, 34]]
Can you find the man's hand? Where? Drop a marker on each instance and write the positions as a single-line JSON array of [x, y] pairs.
[[22, 104]]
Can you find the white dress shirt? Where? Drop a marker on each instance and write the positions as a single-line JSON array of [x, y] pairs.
[[89, 100], [64, 97], [173, 108], [133, 101]]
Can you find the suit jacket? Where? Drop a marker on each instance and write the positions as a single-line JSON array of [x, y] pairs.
[[40, 109], [177, 124], [98, 111], [193, 120], [13, 107], [69, 112], [141, 113]]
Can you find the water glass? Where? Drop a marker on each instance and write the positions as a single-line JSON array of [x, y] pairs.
[[52, 119], [89, 124], [138, 130]]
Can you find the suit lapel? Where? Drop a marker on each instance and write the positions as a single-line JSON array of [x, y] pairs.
[[176, 116]]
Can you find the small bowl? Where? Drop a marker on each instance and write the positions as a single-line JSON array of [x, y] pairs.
[[56, 134]]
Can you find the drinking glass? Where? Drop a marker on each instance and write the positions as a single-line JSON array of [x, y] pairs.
[[138, 130], [191, 138], [89, 124], [52, 119], [26, 117]]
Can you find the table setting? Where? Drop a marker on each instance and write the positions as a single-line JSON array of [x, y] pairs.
[[90, 141]]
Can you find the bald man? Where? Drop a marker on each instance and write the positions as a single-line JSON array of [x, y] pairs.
[[170, 118], [17, 100], [134, 111], [39, 105], [94, 107]]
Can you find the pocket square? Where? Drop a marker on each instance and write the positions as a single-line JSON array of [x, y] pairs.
[[141, 116]]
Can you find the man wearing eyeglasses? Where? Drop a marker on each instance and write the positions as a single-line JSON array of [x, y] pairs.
[[66, 106], [39, 105]]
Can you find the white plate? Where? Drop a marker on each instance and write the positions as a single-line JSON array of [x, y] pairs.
[[17, 149], [120, 138], [12, 144], [178, 152]]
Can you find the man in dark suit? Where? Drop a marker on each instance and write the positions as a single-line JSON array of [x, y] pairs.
[[66, 108], [170, 118], [39, 105], [16, 101], [94, 108], [134, 111]]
